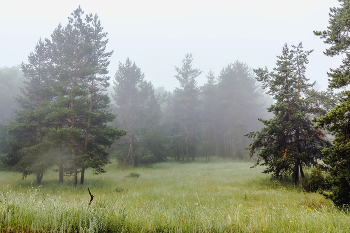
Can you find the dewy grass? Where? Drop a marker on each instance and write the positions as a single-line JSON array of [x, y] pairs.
[[167, 197]]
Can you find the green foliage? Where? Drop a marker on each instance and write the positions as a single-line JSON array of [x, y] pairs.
[[182, 112], [63, 116], [336, 122], [139, 114], [315, 181], [288, 142]]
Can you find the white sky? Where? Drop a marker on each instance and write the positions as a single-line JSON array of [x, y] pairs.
[[156, 34]]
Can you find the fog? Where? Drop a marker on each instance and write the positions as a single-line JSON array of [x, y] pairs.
[[157, 34]]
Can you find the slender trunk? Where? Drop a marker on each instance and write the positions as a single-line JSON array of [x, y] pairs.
[[193, 153], [82, 175], [206, 146], [131, 149], [225, 147], [60, 168], [216, 147], [39, 176], [60, 160], [87, 132], [296, 172], [301, 171], [75, 173], [297, 134], [182, 152], [186, 141], [233, 148]]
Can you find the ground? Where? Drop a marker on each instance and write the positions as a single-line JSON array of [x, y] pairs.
[[220, 196]]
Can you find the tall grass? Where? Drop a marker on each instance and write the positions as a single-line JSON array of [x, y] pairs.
[[167, 197]]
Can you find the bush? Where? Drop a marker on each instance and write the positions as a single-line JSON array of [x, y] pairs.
[[315, 181], [133, 175]]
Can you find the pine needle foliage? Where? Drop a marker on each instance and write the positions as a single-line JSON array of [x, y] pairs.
[[337, 120], [288, 142]]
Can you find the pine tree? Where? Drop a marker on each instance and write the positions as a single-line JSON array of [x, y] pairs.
[[139, 114], [238, 103], [288, 142], [186, 104], [27, 132], [337, 120], [98, 101], [70, 113], [209, 93]]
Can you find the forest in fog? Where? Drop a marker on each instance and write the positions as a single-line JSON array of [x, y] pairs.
[[63, 110], [66, 85]]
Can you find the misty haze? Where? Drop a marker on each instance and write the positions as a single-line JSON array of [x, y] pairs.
[[178, 116]]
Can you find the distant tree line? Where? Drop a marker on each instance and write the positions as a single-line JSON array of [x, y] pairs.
[[192, 120], [64, 121]]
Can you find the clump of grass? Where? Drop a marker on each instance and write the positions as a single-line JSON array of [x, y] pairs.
[[133, 175], [119, 190]]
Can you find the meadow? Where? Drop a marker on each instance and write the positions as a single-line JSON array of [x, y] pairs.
[[166, 197]]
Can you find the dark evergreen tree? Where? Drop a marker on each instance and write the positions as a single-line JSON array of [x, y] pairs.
[[288, 142], [337, 120], [64, 105], [27, 132]]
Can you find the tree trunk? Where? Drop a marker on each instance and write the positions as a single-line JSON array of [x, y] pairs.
[[192, 153], [296, 172], [131, 150], [301, 171], [216, 147], [60, 169], [82, 175], [182, 151], [75, 173], [186, 141], [39, 177]]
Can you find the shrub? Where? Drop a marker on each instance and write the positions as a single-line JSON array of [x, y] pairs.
[[315, 181], [133, 175]]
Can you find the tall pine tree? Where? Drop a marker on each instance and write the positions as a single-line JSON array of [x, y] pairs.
[[337, 120], [288, 142]]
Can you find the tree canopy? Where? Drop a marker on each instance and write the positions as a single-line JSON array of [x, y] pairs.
[[288, 142]]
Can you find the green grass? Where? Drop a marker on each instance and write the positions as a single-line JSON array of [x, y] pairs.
[[166, 197]]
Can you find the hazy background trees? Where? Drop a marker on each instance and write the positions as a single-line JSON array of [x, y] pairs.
[[139, 112]]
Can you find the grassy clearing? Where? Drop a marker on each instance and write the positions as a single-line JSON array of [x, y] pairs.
[[167, 197]]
